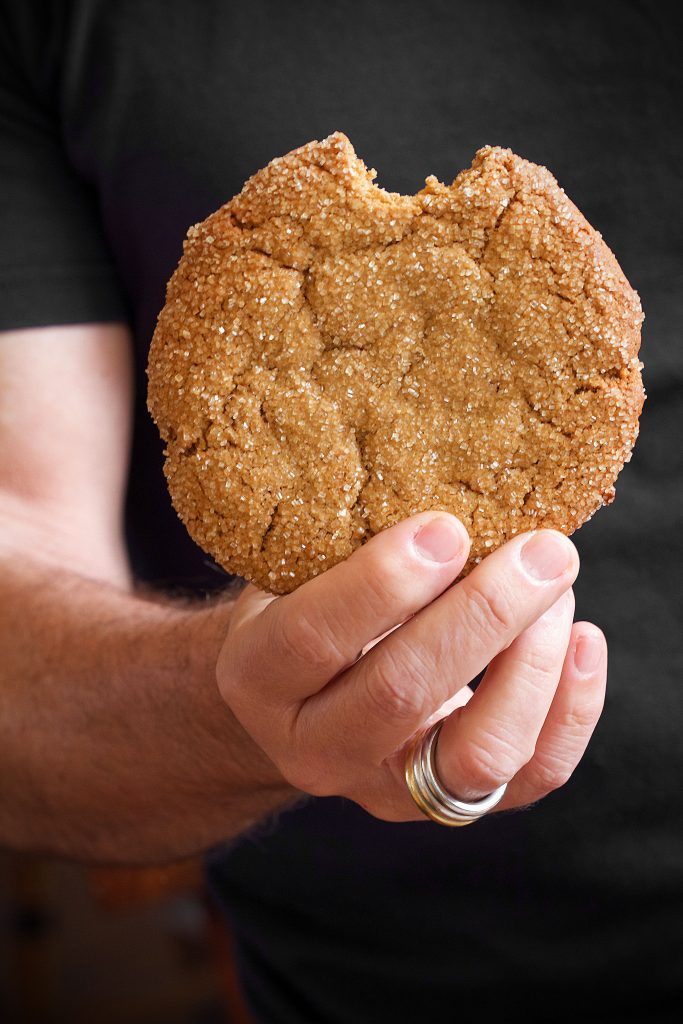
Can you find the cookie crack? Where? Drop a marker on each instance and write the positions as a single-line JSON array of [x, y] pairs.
[[537, 414], [276, 259], [493, 230], [269, 528]]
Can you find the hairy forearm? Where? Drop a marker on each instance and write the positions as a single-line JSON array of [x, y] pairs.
[[114, 742]]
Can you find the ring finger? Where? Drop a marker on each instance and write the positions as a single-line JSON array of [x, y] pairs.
[[488, 740]]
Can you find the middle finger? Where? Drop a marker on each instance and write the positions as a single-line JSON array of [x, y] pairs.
[[380, 702], [489, 740]]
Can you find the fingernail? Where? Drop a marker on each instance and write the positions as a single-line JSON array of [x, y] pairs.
[[440, 540], [546, 555], [587, 653]]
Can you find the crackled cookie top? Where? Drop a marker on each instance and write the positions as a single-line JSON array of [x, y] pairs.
[[332, 358]]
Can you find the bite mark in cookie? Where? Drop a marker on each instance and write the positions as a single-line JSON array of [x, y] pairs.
[[332, 358]]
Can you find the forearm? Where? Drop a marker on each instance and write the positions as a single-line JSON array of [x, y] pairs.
[[115, 744]]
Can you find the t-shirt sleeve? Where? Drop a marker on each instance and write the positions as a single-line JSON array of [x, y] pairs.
[[55, 265]]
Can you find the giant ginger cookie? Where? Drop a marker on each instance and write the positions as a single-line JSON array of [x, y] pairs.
[[332, 358]]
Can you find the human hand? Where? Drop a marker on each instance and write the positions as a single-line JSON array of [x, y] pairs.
[[335, 711]]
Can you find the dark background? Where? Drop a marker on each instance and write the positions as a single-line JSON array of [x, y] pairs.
[[164, 110]]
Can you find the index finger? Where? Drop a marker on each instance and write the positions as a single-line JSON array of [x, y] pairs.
[[400, 683], [302, 640]]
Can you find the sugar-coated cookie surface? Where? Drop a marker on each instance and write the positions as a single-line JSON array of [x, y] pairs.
[[332, 358]]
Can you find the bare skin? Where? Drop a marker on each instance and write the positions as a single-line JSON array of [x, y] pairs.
[[136, 730]]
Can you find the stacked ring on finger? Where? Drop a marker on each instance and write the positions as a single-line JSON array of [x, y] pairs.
[[430, 795]]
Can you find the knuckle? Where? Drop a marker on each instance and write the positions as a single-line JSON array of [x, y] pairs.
[[308, 775], [383, 587], [536, 669], [309, 759], [395, 692], [490, 610], [310, 782], [576, 724], [300, 638], [550, 772], [537, 660], [556, 758], [488, 761]]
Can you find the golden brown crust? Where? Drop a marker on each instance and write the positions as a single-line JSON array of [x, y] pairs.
[[332, 358]]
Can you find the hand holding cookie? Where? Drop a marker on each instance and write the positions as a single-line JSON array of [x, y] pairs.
[[338, 373], [336, 723]]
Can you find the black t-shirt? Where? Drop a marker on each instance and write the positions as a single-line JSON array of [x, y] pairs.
[[123, 123]]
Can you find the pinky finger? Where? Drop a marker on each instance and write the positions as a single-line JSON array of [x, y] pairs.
[[570, 722]]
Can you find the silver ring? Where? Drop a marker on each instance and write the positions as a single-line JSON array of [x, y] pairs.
[[429, 794]]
